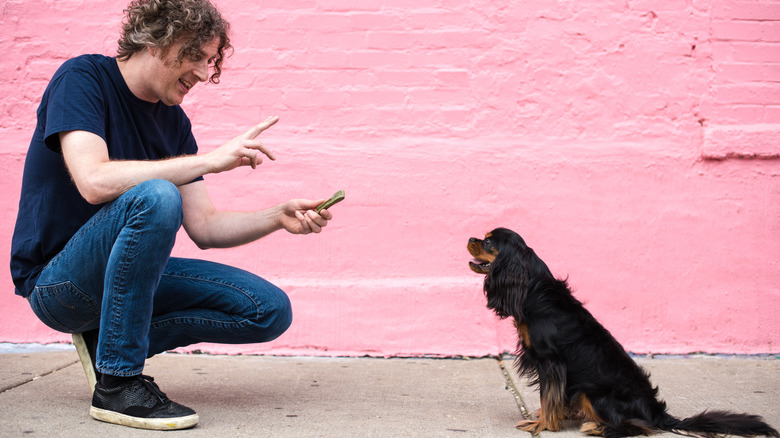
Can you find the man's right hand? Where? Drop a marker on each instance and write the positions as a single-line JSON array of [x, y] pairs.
[[244, 150]]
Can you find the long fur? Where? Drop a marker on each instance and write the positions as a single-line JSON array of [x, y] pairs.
[[580, 369]]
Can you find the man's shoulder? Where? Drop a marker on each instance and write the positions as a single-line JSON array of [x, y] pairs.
[[89, 63], [84, 72]]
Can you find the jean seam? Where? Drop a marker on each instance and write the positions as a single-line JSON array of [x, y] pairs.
[[52, 289], [258, 311], [36, 296], [202, 321]]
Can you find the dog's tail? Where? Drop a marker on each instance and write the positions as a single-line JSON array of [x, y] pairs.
[[719, 423]]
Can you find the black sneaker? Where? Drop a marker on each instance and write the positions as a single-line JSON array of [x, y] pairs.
[[140, 403], [86, 346]]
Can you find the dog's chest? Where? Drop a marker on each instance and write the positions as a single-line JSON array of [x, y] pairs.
[[522, 334]]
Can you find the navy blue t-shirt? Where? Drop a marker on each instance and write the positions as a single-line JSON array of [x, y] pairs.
[[87, 93]]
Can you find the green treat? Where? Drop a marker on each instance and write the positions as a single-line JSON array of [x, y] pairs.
[[336, 198]]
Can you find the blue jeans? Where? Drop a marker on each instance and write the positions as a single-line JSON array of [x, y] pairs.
[[116, 275]]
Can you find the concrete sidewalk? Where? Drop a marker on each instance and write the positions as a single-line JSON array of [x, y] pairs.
[[45, 394]]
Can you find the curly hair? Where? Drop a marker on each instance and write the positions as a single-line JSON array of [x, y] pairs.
[[162, 23]]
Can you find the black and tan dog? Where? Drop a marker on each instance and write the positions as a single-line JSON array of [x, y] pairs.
[[581, 371]]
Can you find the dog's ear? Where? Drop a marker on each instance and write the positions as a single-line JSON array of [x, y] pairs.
[[537, 269], [516, 272], [506, 285]]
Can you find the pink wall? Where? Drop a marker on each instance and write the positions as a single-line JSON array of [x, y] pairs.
[[634, 144]]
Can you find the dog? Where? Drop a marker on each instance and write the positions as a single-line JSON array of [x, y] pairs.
[[581, 371]]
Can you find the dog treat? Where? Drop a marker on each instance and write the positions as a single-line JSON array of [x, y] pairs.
[[335, 199]]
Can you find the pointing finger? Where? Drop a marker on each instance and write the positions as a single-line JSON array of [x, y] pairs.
[[262, 126]]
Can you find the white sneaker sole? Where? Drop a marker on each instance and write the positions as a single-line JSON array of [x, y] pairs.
[[86, 361], [144, 423]]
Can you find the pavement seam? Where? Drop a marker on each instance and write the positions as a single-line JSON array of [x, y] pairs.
[[510, 385], [38, 376]]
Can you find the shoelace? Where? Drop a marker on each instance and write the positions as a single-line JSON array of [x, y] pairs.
[[148, 381]]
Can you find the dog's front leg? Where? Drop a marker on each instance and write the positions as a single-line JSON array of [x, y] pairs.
[[553, 412], [548, 419]]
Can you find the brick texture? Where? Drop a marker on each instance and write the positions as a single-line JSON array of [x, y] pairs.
[[633, 143]]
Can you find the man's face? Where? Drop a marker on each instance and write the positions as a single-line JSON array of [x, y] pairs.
[[170, 81]]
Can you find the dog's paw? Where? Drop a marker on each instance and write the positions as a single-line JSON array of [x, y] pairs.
[[529, 426], [592, 428]]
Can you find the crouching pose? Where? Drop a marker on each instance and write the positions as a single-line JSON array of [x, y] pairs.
[[111, 175]]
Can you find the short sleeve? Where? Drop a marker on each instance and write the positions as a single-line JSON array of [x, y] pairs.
[[74, 101]]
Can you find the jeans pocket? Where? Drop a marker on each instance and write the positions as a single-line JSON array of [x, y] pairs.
[[64, 307]]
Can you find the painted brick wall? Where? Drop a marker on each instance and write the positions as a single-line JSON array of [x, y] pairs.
[[742, 106], [633, 144]]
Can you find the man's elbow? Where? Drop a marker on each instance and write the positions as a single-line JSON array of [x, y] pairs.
[[96, 196], [203, 246], [94, 190], [199, 239]]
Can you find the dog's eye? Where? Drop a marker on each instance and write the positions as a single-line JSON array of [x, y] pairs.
[[487, 244]]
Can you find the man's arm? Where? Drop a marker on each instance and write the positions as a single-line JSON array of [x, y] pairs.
[[210, 228], [100, 179]]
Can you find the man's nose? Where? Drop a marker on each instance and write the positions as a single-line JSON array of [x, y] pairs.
[[202, 71]]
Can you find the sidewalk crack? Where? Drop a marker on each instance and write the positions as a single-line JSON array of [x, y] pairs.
[[510, 386], [37, 376]]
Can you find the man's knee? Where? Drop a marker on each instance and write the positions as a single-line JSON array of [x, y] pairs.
[[161, 200], [278, 316]]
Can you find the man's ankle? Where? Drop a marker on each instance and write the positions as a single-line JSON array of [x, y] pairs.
[[109, 381]]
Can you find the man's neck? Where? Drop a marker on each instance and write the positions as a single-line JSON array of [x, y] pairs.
[[133, 73]]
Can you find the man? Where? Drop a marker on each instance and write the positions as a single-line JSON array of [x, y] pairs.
[[111, 175]]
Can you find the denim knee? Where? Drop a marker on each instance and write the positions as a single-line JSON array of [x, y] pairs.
[[278, 316], [161, 199]]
